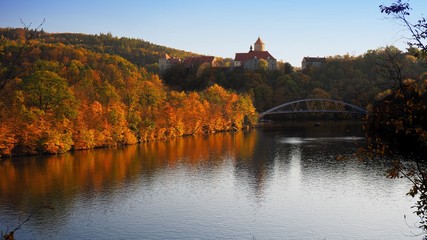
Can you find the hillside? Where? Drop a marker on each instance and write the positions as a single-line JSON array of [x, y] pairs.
[[56, 97], [136, 51]]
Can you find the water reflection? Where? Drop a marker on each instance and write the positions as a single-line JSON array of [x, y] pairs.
[[282, 183], [28, 180], [295, 172]]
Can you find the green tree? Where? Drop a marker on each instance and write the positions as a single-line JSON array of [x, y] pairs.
[[263, 96], [49, 92]]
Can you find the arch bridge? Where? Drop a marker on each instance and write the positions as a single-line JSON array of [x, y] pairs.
[[315, 105]]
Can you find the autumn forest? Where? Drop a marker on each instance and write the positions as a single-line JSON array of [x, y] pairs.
[[66, 96], [62, 92]]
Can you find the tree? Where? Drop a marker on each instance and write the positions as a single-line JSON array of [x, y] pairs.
[[401, 11], [398, 114], [12, 70], [48, 91], [263, 96], [262, 65], [320, 93]]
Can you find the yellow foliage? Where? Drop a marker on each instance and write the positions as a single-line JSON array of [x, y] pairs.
[[84, 139], [383, 94], [55, 142]]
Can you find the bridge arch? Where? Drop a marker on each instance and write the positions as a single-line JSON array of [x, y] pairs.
[[315, 105]]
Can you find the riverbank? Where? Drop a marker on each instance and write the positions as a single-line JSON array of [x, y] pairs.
[[308, 125], [147, 139]]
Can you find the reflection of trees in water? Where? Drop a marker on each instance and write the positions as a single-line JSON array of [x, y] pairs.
[[294, 149], [32, 180], [26, 182], [253, 170], [254, 156], [304, 129]]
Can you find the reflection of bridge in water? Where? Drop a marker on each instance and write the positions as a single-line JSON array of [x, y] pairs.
[[314, 106]]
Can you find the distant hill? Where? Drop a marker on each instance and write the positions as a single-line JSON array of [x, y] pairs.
[[136, 51]]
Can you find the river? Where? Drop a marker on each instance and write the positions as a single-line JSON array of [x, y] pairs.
[[267, 183]]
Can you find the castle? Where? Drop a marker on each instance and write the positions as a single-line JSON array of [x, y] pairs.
[[250, 59], [312, 62], [166, 62]]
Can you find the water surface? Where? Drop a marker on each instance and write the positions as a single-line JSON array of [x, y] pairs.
[[280, 183]]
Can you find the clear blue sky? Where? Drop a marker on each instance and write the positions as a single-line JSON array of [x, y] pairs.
[[290, 29]]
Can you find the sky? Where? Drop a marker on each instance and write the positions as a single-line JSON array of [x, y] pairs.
[[291, 30]]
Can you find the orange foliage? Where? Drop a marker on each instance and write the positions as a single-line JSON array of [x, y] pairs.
[[95, 171], [68, 98], [7, 140]]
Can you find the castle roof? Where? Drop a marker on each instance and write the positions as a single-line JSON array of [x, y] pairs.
[[259, 41], [171, 60], [189, 61], [165, 55], [174, 60], [243, 57], [314, 59]]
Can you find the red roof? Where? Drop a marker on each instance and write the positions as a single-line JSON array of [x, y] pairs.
[[174, 60], [243, 57], [198, 60]]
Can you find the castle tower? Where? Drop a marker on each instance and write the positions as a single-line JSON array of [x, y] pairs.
[[259, 45]]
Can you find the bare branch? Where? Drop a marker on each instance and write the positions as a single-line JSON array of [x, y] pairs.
[[11, 70], [9, 235]]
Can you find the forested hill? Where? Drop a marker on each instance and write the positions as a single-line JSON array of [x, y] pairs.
[[137, 51], [57, 96]]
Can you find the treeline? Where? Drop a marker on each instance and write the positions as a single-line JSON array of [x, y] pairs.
[[352, 79], [136, 51], [59, 97], [397, 119]]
